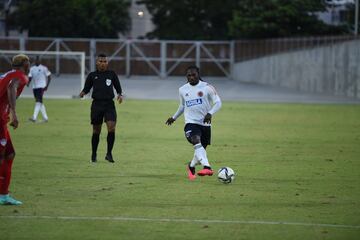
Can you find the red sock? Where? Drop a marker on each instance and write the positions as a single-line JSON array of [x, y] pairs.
[[5, 175]]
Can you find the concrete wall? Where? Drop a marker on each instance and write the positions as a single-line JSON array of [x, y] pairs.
[[333, 69]]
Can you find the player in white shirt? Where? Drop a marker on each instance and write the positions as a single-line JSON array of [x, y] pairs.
[[198, 101], [40, 76]]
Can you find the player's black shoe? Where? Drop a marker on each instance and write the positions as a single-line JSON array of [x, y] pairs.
[[32, 120], [93, 158], [109, 158]]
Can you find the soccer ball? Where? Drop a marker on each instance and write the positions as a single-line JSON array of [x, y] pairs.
[[226, 175]]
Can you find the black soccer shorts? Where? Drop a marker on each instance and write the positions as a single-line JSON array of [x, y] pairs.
[[102, 111], [38, 94], [204, 132]]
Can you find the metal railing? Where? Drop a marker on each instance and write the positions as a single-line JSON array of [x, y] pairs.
[[167, 58], [138, 57]]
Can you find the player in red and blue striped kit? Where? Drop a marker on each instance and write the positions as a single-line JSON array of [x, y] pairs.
[[11, 85]]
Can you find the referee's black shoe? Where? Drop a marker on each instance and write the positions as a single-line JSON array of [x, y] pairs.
[[109, 158], [93, 158]]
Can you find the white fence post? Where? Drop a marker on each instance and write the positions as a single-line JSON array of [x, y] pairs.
[[198, 54], [92, 54], [128, 60], [232, 58], [163, 59], [22, 43], [57, 63]]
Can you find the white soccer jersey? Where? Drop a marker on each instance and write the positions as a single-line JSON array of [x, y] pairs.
[[197, 101], [39, 76]]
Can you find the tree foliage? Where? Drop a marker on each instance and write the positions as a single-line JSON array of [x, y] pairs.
[[226, 19], [190, 19], [350, 17], [72, 18], [279, 18]]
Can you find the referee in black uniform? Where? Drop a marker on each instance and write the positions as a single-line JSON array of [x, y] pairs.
[[103, 82]]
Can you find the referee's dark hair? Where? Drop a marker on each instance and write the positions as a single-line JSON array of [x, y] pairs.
[[101, 55], [195, 68]]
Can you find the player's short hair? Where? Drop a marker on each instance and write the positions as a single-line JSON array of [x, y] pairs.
[[101, 55], [19, 60], [193, 67]]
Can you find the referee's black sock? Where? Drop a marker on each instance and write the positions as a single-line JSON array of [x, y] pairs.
[[110, 141], [95, 142]]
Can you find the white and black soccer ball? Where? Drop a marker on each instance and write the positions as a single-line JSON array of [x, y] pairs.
[[226, 175]]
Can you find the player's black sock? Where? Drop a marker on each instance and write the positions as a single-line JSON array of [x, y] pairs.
[[192, 169], [206, 167], [95, 143], [110, 141]]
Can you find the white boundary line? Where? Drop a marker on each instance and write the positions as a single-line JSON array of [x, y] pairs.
[[140, 219]]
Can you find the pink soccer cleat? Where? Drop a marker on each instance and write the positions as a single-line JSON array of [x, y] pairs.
[[205, 172], [191, 176]]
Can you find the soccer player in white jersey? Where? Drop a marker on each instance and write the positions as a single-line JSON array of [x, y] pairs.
[[198, 101], [40, 76]]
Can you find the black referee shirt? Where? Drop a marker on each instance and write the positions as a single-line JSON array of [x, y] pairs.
[[102, 84]]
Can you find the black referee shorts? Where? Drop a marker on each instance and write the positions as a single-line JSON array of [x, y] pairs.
[[102, 111], [204, 132]]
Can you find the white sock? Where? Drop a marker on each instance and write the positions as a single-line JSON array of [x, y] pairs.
[[36, 110], [43, 112], [194, 161], [200, 154]]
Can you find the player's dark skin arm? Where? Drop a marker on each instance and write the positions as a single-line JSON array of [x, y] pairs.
[[11, 92], [207, 118], [82, 94], [48, 83], [119, 98], [87, 87], [170, 121], [30, 78]]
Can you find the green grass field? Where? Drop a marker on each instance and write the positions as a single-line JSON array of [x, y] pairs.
[[298, 165]]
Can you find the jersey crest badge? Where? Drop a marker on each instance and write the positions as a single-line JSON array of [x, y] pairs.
[[200, 94], [108, 82], [3, 142]]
